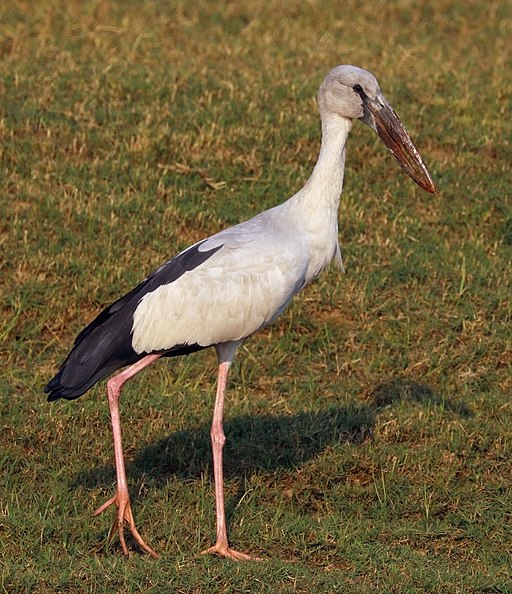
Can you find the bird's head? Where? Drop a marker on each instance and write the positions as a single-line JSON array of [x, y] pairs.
[[353, 93]]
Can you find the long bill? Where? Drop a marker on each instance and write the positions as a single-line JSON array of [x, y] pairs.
[[380, 116]]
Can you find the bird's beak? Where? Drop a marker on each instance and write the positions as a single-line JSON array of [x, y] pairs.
[[380, 116]]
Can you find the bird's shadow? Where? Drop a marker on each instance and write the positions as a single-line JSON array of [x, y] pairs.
[[267, 442]]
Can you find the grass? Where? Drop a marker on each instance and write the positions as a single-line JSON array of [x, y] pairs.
[[369, 429]]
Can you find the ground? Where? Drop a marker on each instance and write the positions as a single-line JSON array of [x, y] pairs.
[[368, 429]]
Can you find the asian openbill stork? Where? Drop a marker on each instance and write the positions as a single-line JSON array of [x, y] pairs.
[[226, 287]]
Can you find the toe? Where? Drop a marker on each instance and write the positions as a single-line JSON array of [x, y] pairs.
[[228, 553]]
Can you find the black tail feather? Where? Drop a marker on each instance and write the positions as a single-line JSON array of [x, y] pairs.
[[97, 354]]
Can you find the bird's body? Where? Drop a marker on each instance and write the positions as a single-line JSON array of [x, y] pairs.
[[220, 290], [226, 287], [252, 272]]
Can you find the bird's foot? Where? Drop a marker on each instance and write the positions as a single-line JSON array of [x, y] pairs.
[[223, 550], [124, 517]]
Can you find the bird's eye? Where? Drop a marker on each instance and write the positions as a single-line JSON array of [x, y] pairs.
[[358, 89]]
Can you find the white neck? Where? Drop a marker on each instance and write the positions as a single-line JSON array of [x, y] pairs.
[[321, 193], [314, 208]]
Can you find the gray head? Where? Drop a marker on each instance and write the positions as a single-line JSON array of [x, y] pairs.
[[338, 94], [352, 93]]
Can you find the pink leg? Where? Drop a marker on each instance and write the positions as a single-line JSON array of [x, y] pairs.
[[122, 499], [221, 546]]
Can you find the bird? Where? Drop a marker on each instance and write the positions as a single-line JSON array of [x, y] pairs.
[[224, 288]]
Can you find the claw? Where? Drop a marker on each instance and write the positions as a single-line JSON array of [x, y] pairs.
[[124, 517]]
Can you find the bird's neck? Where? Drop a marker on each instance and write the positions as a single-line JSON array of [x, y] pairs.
[[314, 208], [322, 191]]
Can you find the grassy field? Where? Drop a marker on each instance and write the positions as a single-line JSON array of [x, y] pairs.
[[369, 429]]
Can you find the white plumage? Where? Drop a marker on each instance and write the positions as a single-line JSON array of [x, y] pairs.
[[237, 291]]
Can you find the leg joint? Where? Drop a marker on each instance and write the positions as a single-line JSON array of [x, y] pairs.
[[217, 435]]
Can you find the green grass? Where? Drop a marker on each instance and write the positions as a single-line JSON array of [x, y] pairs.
[[369, 429]]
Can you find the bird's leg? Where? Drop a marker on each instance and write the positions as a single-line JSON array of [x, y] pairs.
[[221, 546], [122, 499]]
